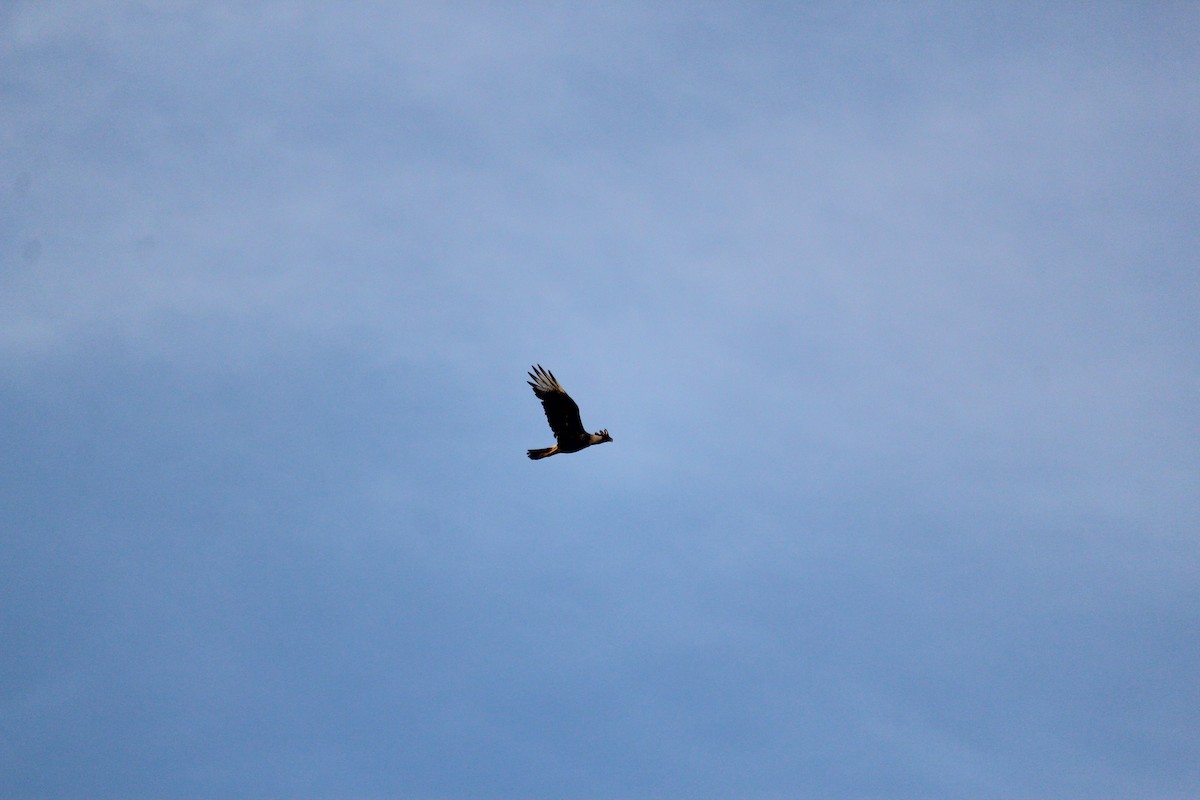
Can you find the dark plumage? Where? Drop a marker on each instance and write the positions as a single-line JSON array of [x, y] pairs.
[[563, 416]]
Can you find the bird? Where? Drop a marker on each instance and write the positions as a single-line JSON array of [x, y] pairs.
[[563, 415]]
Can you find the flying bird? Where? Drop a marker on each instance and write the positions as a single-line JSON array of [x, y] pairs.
[[563, 416]]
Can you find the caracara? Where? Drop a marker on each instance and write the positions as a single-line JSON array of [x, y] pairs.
[[563, 416]]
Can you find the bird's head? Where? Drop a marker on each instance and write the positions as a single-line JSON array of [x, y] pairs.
[[604, 437]]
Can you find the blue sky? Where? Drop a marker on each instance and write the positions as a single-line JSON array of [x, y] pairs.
[[892, 311]]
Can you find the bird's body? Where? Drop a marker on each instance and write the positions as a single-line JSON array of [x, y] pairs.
[[563, 415]]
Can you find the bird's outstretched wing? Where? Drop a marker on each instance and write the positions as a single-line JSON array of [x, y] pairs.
[[561, 411]]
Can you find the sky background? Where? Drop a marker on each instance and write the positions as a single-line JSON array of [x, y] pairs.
[[892, 310]]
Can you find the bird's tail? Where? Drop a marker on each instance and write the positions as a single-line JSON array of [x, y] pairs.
[[545, 451]]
